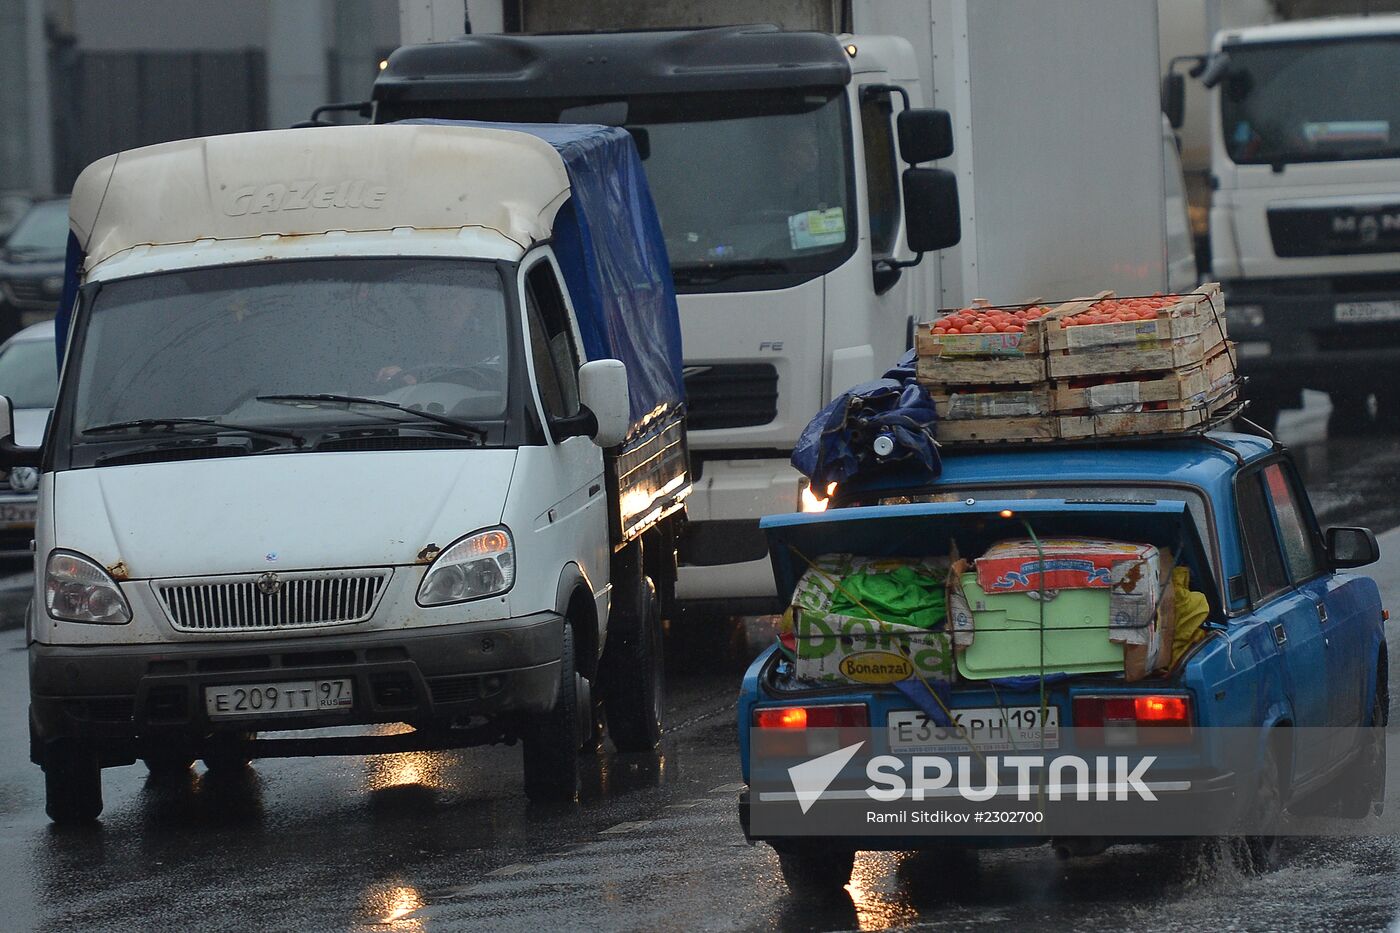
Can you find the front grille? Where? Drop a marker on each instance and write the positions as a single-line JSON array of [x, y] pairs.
[[730, 395], [1383, 335], [296, 600], [30, 292]]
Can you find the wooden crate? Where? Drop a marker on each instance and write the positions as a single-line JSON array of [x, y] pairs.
[[1167, 421], [946, 371], [1191, 315], [955, 404], [1177, 354], [1043, 428], [1193, 384], [974, 346], [1183, 335]]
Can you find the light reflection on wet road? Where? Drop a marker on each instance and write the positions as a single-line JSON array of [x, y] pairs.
[[445, 840]]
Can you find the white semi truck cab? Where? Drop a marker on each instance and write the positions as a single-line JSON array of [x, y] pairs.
[[782, 165], [357, 425], [1305, 208]]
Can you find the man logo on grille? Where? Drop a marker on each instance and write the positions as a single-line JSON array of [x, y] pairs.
[[269, 584]]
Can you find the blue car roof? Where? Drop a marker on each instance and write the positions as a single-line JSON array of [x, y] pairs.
[[1190, 460], [1209, 465]]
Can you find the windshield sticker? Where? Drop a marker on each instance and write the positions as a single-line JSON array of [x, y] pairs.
[[1347, 131], [811, 229]]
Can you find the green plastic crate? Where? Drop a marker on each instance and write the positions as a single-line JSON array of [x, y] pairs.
[[1006, 634]]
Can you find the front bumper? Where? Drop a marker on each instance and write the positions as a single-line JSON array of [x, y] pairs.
[[1302, 345], [126, 699]]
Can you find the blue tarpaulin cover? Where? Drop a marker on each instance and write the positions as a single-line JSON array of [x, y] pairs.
[[607, 238], [843, 440]]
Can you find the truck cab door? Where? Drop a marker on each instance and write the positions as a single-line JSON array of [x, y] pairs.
[[572, 520], [1291, 617]]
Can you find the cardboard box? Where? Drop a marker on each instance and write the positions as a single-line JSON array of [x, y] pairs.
[[836, 648]]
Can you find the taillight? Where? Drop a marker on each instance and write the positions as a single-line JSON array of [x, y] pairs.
[[828, 716], [1117, 719]]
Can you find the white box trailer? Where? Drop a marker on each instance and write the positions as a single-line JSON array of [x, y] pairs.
[[1059, 141]]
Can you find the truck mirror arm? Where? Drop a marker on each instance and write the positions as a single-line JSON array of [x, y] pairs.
[[15, 455], [363, 108], [583, 424]]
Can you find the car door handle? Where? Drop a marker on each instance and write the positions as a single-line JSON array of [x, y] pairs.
[[1322, 613]]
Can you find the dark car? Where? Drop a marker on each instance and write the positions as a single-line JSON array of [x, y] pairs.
[[31, 266]]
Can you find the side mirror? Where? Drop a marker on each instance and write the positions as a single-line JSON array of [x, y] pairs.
[[932, 215], [1216, 69], [924, 135], [602, 388], [1351, 547], [11, 454], [1174, 99]]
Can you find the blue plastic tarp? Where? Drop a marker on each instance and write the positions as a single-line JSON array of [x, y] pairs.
[[880, 425], [607, 238]]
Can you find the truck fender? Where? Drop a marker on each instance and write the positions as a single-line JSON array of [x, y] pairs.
[[573, 600]]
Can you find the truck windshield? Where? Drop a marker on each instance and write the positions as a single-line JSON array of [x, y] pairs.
[[749, 187], [1312, 101], [207, 343]]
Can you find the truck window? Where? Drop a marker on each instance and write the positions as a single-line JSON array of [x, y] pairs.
[[881, 173], [1312, 101], [551, 342], [1267, 575], [1300, 547]]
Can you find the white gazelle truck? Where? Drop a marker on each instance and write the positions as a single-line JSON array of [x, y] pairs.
[[358, 425], [781, 160]]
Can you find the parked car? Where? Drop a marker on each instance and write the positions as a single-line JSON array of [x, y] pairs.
[[1290, 639], [29, 378], [31, 266], [13, 206]]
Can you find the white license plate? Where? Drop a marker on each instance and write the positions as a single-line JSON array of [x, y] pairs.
[[1364, 311], [18, 513], [231, 701], [991, 728]]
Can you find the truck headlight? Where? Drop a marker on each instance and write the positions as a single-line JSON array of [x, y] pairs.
[[77, 589], [481, 564]]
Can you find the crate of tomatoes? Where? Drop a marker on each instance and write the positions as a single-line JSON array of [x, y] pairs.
[[1106, 334], [983, 345]]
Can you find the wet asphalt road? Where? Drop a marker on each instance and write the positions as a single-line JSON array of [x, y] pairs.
[[445, 841]]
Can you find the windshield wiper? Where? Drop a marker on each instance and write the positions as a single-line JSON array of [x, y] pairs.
[[460, 427], [148, 423], [720, 269]]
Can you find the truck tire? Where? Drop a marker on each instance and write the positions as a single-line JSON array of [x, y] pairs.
[[816, 872], [225, 758], [164, 767], [633, 678], [552, 740], [1351, 414], [72, 783]]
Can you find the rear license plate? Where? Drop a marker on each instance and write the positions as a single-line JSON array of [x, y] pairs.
[[231, 701], [18, 513], [1354, 312], [991, 729]]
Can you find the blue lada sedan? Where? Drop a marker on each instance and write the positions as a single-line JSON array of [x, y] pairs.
[[1280, 699]]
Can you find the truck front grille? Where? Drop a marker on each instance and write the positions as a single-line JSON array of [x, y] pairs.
[[730, 395], [271, 602]]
